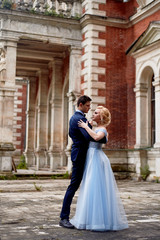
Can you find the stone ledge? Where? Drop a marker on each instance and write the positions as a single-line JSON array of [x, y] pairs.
[[6, 146]]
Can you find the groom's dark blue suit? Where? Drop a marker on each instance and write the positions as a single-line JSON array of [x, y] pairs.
[[80, 144]]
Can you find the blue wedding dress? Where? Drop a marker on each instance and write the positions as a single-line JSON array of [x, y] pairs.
[[99, 207]]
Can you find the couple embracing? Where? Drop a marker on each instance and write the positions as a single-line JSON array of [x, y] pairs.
[[99, 206]]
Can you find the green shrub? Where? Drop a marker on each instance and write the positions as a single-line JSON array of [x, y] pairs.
[[22, 164], [145, 172], [66, 175]]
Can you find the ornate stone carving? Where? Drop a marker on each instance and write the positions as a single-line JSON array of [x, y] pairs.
[[49, 7], [2, 64]]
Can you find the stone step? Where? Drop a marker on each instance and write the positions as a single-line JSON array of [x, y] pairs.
[[123, 175]]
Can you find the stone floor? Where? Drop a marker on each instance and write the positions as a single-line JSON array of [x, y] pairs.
[[29, 210]]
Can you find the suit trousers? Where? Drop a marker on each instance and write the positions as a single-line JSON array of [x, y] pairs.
[[77, 174]]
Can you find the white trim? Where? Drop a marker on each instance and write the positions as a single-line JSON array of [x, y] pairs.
[[94, 55], [90, 41], [146, 11], [93, 27]]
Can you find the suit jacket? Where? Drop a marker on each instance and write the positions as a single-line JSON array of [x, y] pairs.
[[80, 138]]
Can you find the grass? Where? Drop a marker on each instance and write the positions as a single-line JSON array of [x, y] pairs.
[[38, 188], [145, 172], [22, 164]]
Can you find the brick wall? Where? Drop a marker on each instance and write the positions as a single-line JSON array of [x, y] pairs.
[[19, 124], [119, 9], [116, 86], [120, 82]]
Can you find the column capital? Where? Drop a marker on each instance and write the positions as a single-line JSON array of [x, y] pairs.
[[156, 81], [41, 108], [73, 95], [30, 113], [9, 43], [56, 103], [140, 89], [56, 61], [42, 71], [75, 50]]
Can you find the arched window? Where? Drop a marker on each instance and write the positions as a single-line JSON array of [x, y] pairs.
[[145, 109], [152, 112]]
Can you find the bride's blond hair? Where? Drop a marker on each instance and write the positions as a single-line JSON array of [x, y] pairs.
[[105, 115]]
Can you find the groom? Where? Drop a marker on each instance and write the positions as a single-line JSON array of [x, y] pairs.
[[80, 144]]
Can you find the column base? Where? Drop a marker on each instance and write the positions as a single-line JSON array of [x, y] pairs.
[[140, 146], [63, 161], [41, 159], [157, 145], [30, 158], [54, 157]]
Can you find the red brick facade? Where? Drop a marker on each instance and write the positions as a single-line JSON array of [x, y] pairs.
[[120, 70], [119, 9]]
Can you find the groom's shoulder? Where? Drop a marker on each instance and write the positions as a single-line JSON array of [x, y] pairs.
[[76, 116]]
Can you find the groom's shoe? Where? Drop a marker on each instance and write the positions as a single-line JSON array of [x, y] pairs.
[[65, 223]]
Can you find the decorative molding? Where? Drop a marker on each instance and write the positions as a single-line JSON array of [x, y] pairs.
[[145, 11], [143, 3], [149, 37]]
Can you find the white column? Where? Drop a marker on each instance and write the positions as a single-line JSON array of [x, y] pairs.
[[74, 91], [30, 122], [141, 116], [8, 51], [71, 100], [41, 119], [74, 79], [156, 84], [11, 54], [56, 115], [75, 70]]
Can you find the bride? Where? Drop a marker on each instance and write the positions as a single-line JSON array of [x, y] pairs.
[[99, 206]]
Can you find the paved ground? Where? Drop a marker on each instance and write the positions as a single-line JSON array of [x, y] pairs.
[[29, 214]]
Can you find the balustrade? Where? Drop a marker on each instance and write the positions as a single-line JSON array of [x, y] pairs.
[[62, 8]]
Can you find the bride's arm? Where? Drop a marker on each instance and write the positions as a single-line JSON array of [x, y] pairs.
[[95, 136]]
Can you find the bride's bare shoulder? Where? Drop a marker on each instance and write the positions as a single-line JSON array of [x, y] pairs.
[[100, 128]]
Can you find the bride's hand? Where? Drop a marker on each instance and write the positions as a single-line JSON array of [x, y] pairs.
[[91, 122], [82, 124]]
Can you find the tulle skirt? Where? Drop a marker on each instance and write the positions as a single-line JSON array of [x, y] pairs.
[[99, 206]]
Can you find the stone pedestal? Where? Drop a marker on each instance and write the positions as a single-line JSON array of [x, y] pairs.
[[40, 159], [54, 156], [6, 151], [30, 158]]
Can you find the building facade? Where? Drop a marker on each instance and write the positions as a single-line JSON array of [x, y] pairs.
[[54, 51]]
